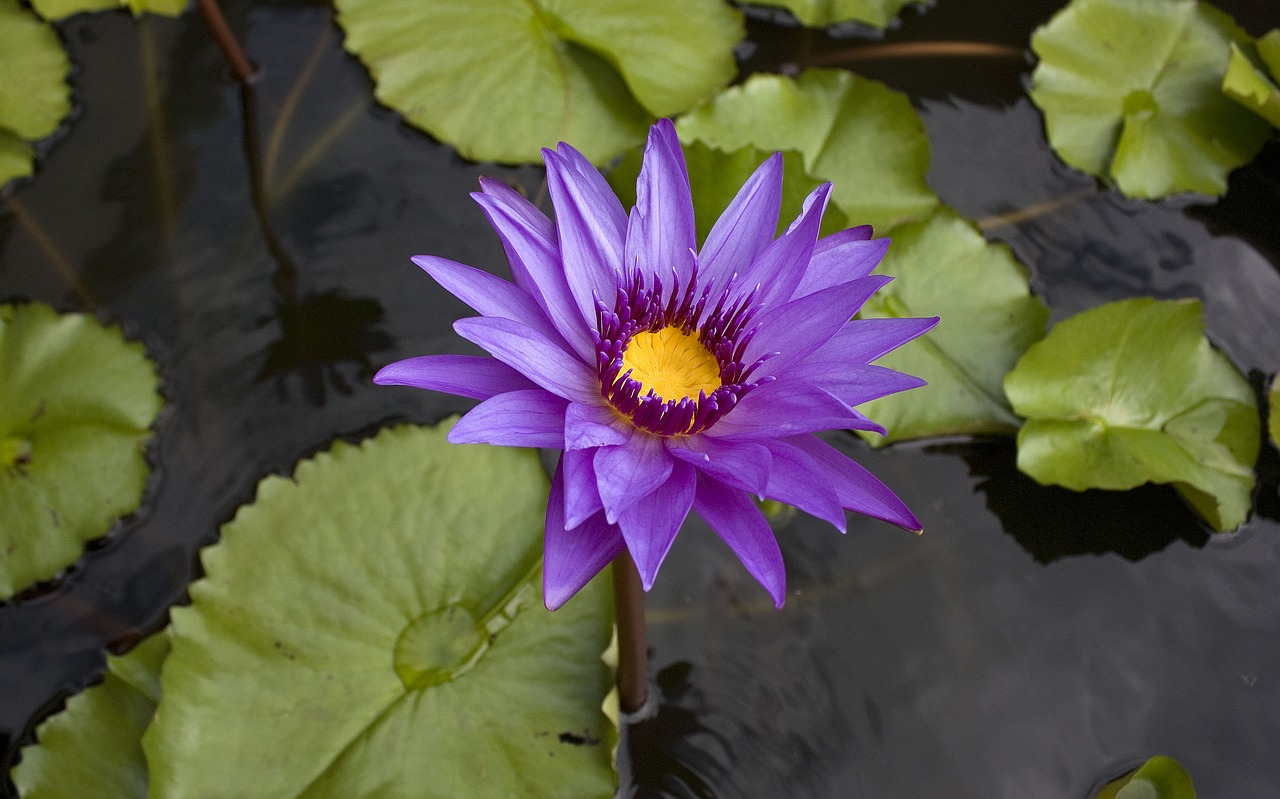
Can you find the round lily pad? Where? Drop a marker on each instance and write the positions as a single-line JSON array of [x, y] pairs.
[[1160, 777], [1131, 392], [373, 626], [1130, 91], [1249, 86], [942, 266], [1273, 413], [853, 131], [821, 13], [34, 96], [94, 747], [76, 405], [500, 79]]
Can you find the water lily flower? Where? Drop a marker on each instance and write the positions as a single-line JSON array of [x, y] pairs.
[[673, 378]]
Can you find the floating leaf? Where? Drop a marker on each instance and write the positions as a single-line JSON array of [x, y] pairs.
[[93, 748], [1246, 84], [1130, 91], [1273, 417], [853, 131], [715, 177], [1131, 392], [76, 402], [821, 13], [1159, 778], [61, 9], [34, 96], [374, 626], [942, 266], [499, 79]]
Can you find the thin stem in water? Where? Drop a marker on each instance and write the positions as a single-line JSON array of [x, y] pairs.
[[628, 598]]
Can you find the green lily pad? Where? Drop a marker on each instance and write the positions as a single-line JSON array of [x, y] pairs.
[[1273, 414], [1247, 85], [61, 9], [1159, 778], [1131, 392], [854, 131], [34, 95], [1130, 91], [94, 747], [373, 626], [942, 266], [715, 177], [76, 405], [821, 13], [500, 79]]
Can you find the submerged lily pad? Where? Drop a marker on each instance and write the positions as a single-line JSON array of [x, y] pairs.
[[94, 747], [34, 96], [374, 626], [1131, 392], [500, 79], [61, 9], [1159, 778], [76, 405], [942, 266], [715, 177], [856, 132], [1247, 85], [821, 13], [1130, 91]]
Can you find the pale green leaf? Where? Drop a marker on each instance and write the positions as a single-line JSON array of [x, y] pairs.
[[1273, 418], [821, 13], [16, 157], [373, 626], [1269, 51], [500, 79], [1246, 84], [34, 96], [76, 405], [1159, 778], [715, 176], [942, 266], [1130, 90], [61, 9], [1131, 392], [853, 131], [93, 749]]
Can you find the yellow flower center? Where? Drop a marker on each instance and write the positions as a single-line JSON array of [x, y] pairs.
[[671, 362]]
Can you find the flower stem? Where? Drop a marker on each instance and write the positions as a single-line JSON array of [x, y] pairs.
[[241, 67], [628, 598]]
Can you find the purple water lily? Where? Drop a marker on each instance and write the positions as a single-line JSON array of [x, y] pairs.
[[674, 378]]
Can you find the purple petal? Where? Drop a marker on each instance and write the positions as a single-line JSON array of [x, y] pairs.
[[628, 472], [801, 326], [854, 383], [858, 489], [850, 260], [787, 408], [593, 425], [864, 340], [573, 557], [581, 497], [661, 238], [471, 376], [533, 355], [781, 267], [796, 478], [591, 227], [531, 418], [488, 294], [739, 523], [746, 227], [649, 526], [741, 464], [529, 239]]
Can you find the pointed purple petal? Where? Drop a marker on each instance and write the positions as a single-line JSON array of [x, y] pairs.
[[858, 489], [854, 383], [592, 425], [746, 227], [529, 239], [573, 557], [781, 267], [531, 418], [796, 478], [788, 408], [628, 472], [801, 326], [591, 227], [739, 523], [581, 497], [851, 260], [649, 526], [533, 355], [471, 376], [864, 340], [741, 464], [661, 238], [488, 294]]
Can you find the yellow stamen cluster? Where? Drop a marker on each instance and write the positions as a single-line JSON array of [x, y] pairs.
[[671, 362]]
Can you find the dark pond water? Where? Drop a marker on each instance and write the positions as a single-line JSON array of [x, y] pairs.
[[1032, 643]]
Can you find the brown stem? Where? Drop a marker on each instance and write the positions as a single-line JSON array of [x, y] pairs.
[[938, 49], [241, 67], [628, 598]]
